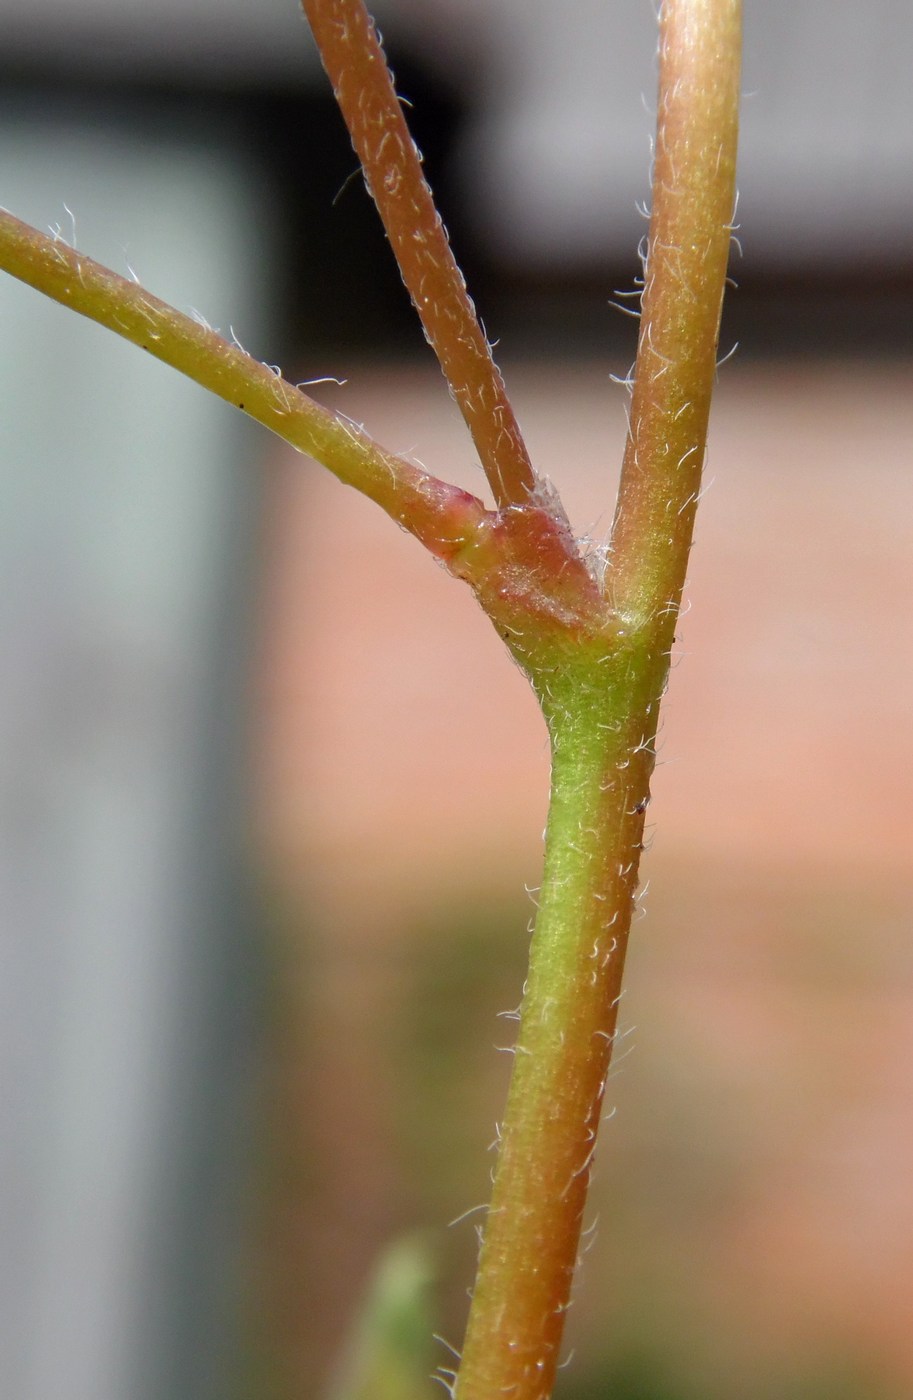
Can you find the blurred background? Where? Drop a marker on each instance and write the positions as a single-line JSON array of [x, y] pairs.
[[271, 791]]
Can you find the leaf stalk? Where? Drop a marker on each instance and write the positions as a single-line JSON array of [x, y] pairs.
[[363, 85]]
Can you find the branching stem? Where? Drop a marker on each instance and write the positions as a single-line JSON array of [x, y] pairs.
[[600, 691], [598, 660]]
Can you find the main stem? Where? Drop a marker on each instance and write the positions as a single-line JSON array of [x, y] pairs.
[[600, 781], [598, 662], [601, 697]]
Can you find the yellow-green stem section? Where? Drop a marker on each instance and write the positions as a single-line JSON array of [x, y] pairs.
[[443, 517], [601, 766]]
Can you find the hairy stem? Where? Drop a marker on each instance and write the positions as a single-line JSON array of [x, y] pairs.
[[363, 87], [598, 662], [600, 774], [601, 693], [443, 517], [690, 231]]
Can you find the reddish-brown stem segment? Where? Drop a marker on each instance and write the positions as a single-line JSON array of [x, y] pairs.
[[363, 86]]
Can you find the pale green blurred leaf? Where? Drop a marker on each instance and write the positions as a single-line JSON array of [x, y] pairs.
[[389, 1354]]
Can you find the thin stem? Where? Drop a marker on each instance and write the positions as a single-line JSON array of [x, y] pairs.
[[690, 230], [363, 86], [443, 517]]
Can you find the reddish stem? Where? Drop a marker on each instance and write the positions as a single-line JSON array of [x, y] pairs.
[[363, 86]]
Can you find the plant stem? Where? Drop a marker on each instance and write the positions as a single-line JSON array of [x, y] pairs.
[[598, 661], [600, 692], [442, 516], [363, 86], [600, 775], [690, 233]]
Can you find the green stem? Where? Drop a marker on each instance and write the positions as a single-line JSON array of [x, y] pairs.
[[601, 767], [442, 516]]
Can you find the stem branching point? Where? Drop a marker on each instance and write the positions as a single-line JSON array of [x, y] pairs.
[[597, 656], [601, 698]]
